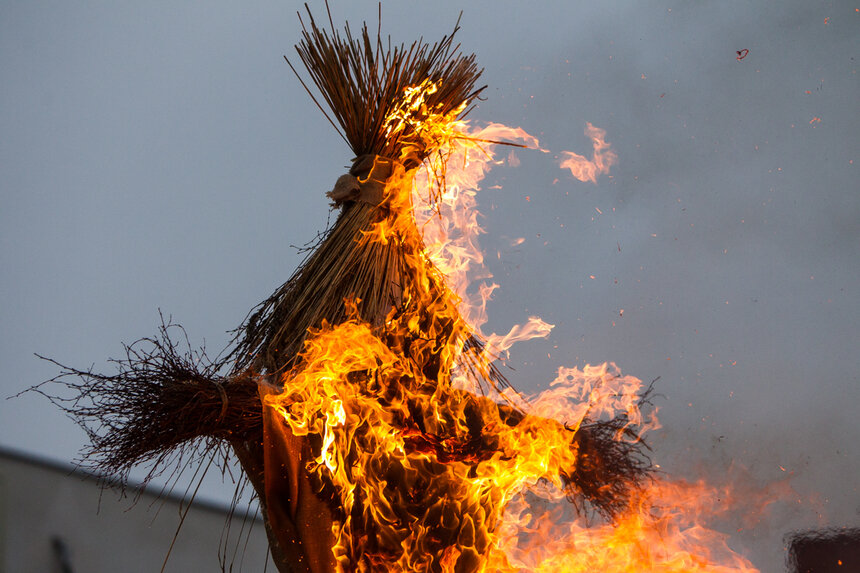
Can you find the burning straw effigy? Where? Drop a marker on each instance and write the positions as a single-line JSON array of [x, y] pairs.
[[364, 408]]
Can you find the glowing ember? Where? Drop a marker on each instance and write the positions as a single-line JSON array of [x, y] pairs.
[[433, 471]]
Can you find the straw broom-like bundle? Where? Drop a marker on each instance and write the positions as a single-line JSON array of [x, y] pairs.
[[362, 83]]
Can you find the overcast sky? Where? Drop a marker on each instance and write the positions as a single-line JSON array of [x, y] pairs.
[[161, 155]]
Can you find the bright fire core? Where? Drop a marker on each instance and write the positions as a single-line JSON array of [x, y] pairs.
[[396, 403]]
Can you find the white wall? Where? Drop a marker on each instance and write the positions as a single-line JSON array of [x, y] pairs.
[[41, 501]]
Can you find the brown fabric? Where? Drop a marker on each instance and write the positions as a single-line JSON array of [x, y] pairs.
[[250, 455], [302, 522], [365, 181]]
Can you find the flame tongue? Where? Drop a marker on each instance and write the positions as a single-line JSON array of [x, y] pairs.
[[426, 473], [602, 159]]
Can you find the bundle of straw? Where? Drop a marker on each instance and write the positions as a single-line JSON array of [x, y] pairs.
[[361, 81]]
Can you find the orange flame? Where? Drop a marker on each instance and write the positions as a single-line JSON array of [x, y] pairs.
[[661, 533], [416, 455], [602, 158]]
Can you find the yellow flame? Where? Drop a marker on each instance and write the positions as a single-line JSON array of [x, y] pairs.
[[420, 461]]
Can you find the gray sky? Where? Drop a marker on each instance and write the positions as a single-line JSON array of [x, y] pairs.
[[162, 155]]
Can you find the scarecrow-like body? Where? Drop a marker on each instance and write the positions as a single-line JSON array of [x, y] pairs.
[[338, 398]]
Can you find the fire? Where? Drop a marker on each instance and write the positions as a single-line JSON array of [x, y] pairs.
[[661, 533], [602, 159], [436, 466]]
